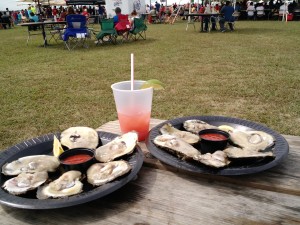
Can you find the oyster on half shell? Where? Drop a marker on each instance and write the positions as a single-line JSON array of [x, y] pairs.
[[176, 146], [195, 126], [79, 137], [31, 164], [25, 182], [118, 147], [184, 135], [218, 159], [66, 185], [252, 140], [238, 153], [101, 173]]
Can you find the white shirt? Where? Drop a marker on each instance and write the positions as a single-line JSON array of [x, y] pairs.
[[250, 10], [260, 10]]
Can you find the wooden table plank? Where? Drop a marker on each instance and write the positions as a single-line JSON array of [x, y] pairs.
[[163, 197], [283, 178]]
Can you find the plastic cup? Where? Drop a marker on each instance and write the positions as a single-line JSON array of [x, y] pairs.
[[133, 107]]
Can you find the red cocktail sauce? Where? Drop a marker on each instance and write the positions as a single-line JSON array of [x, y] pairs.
[[76, 159], [213, 137]]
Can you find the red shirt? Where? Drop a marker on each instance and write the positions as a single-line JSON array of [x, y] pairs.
[[54, 12]]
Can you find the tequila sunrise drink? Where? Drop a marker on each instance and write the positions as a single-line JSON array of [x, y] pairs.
[[133, 107], [135, 121]]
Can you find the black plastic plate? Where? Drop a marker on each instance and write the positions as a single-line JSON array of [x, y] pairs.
[[281, 148], [43, 145]]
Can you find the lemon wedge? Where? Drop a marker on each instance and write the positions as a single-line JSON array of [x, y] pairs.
[[226, 128], [57, 148], [154, 83]]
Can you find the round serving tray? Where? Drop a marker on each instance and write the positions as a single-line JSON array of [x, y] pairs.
[[281, 148], [43, 145]]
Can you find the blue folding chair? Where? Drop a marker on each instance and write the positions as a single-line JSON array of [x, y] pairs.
[[76, 32]]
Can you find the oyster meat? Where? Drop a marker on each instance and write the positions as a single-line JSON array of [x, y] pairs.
[[31, 164], [175, 145], [25, 182], [252, 140], [118, 147], [195, 126], [80, 137], [218, 159], [184, 135], [66, 185], [236, 153], [101, 173]]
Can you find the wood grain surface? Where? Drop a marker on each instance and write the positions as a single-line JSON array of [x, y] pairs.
[[163, 197]]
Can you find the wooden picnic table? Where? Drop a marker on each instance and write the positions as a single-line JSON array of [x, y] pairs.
[[165, 195]]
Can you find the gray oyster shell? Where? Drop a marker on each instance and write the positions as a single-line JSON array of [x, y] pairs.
[[25, 182], [31, 164], [184, 135], [79, 137], [102, 173], [66, 185], [118, 147]]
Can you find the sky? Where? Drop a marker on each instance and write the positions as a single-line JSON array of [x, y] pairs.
[[13, 4]]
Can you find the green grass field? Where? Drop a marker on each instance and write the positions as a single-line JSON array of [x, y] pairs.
[[252, 73]]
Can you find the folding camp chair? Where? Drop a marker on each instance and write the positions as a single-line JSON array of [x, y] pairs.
[[76, 32], [107, 33], [123, 27], [139, 29]]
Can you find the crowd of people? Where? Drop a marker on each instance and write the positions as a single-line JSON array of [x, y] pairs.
[[156, 13], [37, 13], [247, 9]]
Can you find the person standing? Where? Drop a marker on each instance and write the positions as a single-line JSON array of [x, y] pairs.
[[227, 12], [54, 13]]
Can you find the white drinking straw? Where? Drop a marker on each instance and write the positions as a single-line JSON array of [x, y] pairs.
[[132, 70]]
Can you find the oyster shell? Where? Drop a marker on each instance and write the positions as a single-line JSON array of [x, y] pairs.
[[184, 135], [66, 185], [195, 126], [252, 140], [118, 147], [238, 153], [101, 173], [175, 145], [80, 137], [25, 182], [217, 159], [31, 164]]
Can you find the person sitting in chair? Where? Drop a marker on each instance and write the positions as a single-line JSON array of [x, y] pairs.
[[207, 19], [132, 16], [116, 17], [227, 11], [34, 17], [250, 11], [5, 20]]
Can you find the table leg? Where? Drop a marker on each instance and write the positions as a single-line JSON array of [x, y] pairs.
[[44, 35]]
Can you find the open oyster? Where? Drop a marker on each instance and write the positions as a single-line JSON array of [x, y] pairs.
[[66, 185], [31, 164], [25, 182], [238, 153], [184, 135], [252, 140], [195, 126], [101, 173], [175, 145], [80, 137], [217, 159], [118, 147]]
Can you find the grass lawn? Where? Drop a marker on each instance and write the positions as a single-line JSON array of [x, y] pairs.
[[252, 73]]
